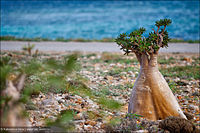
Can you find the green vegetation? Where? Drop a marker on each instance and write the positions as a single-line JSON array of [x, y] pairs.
[[172, 86], [137, 43], [63, 123], [62, 39], [171, 60], [183, 72], [109, 103], [61, 75], [59, 39], [81, 89], [183, 41], [116, 58]]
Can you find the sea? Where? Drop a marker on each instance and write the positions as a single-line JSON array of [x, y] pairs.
[[96, 19]]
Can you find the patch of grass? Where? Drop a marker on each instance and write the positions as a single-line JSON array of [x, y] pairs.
[[196, 61], [12, 38], [116, 58], [116, 71], [96, 60], [62, 39], [183, 41], [166, 61], [79, 88], [105, 91], [109, 103], [109, 56], [63, 123], [183, 72], [90, 55], [93, 115], [122, 61], [172, 86], [123, 87], [120, 87]]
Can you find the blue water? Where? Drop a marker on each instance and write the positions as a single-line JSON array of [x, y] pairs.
[[96, 19]]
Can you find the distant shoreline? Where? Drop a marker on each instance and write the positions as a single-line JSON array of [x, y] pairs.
[[91, 46], [61, 39]]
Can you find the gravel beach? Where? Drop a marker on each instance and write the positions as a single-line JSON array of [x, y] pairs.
[[92, 46]]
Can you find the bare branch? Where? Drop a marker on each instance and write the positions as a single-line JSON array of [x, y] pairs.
[[163, 29], [157, 30], [161, 40], [154, 30]]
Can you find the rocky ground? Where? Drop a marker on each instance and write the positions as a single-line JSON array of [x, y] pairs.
[[95, 97]]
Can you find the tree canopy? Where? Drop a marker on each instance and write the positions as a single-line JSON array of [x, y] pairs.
[[137, 43]]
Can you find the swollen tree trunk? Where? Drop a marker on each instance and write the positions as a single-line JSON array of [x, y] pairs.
[[151, 96]]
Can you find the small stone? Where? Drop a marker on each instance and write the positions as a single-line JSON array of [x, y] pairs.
[[31, 119], [61, 101], [82, 105], [52, 118], [187, 59], [87, 127], [43, 115], [193, 107], [141, 131], [195, 94], [109, 78], [103, 126], [92, 123], [67, 97], [47, 111], [100, 119], [80, 122], [182, 83], [47, 102], [31, 107], [79, 116]]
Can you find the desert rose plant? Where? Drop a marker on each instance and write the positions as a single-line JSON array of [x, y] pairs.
[[151, 96]]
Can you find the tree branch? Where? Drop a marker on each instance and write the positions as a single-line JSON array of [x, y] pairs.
[[154, 30], [157, 30], [161, 40], [163, 29]]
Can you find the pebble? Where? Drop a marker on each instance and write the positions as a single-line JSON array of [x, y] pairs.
[[47, 101], [61, 101], [78, 116], [195, 94], [52, 118], [193, 107], [96, 78], [141, 131], [31, 107], [87, 127]]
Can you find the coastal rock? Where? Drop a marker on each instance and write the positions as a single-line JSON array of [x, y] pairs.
[[177, 125]]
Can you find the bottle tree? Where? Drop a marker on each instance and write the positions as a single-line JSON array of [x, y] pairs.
[[151, 96]]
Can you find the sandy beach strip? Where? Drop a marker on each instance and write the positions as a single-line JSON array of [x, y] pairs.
[[92, 47]]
